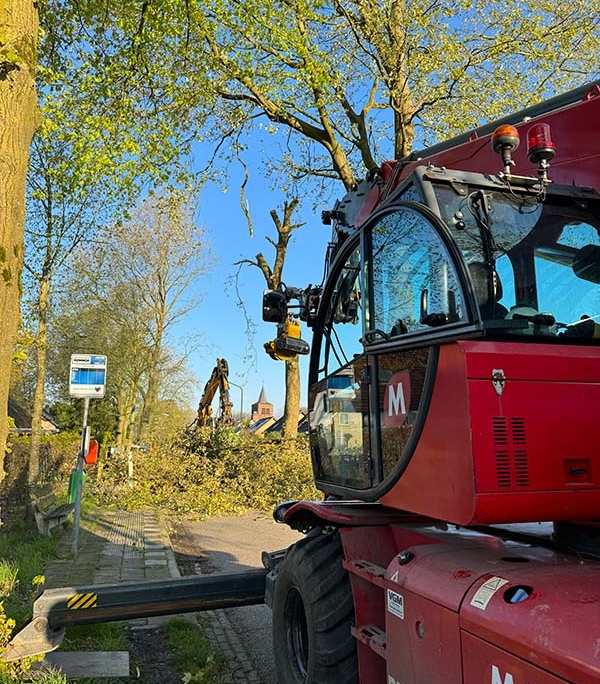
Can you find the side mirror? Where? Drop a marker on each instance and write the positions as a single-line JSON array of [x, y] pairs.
[[274, 307], [586, 264]]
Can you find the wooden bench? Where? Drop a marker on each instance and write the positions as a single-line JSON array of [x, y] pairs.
[[53, 517]]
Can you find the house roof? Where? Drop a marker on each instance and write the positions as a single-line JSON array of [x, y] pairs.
[[22, 418], [302, 424], [261, 425]]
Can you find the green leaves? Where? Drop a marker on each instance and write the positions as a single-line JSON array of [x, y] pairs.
[[352, 81], [215, 473]]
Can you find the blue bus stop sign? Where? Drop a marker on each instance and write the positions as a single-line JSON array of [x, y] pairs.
[[87, 376]]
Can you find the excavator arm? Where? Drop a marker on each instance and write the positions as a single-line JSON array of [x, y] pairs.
[[217, 381]]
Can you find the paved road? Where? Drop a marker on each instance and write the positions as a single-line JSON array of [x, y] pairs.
[[233, 545]]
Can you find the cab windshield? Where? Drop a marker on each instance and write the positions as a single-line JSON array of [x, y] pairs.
[[533, 260]]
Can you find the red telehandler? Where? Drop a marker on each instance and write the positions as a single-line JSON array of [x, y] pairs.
[[454, 388]]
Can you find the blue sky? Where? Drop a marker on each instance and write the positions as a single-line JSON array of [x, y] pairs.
[[218, 317]]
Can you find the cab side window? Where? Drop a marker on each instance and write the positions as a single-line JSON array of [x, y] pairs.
[[343, 324], [339, 400], [414, 292], [414, 285]]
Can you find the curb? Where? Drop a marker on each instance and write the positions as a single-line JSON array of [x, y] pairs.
[[219, 626]]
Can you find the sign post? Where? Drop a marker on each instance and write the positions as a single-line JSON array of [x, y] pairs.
[[87, 381]]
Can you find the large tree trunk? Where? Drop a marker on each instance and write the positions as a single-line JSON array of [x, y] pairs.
[[292, 399], [41, 345], [18, 117]]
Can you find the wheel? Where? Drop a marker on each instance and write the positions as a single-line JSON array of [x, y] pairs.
[[312, 615]]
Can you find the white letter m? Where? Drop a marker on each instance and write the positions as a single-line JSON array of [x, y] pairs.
[[497, 679], [396, 400]]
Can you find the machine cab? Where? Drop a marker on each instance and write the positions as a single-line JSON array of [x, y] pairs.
[[457, 322]]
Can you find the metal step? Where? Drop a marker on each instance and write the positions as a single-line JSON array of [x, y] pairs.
[[373, 637], [370, 572]]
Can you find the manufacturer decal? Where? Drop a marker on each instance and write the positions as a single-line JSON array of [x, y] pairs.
[[486, 591], [395, 604], [396, 400], [497, 677]]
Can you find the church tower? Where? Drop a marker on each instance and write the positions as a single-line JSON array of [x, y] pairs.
[[262, 408]]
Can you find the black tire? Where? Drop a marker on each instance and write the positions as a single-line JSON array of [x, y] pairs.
[[312, 615]]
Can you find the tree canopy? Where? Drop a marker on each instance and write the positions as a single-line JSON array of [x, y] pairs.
[[357, 82], [353, 83]]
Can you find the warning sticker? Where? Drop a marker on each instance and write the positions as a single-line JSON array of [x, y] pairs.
[[485, 592], [80, 601], [395, 604]]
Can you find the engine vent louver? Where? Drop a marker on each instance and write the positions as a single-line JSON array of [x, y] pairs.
[[503, 468], [518, 430], [512, 461]]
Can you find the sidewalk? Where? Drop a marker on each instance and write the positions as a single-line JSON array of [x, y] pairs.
[[121, 546], [115, 547]]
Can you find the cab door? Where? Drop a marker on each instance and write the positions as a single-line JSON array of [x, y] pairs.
[[413, 275], [393, 295]]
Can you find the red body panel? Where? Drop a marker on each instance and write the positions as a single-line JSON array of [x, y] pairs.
[[484, 662], [444, 612], [424, 646], [577, 161], [556, 628], [575, 132], [526, 454]]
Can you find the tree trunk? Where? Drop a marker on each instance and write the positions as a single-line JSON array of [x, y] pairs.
[[126, 411], [121, 430], [397, 70], [41, 345], [18, 117], [150, 397], [292, 399], [151, 394]]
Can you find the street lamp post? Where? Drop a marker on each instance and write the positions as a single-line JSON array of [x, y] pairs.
[[241, 389]]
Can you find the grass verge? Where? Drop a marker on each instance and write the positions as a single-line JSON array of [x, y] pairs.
[[23, 556], [192, 653]]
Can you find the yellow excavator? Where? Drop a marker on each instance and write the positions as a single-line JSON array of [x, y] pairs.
[[217, 381]]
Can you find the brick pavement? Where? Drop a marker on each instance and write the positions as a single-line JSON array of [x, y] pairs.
[[222, 634], [122, 546]]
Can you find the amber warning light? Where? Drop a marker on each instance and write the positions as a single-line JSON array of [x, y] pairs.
[[505, 140]]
